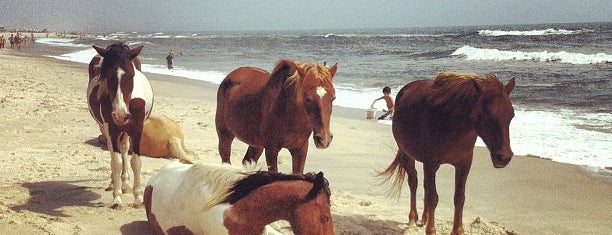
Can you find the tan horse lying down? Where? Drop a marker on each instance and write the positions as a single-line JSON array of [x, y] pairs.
[[162, 137]]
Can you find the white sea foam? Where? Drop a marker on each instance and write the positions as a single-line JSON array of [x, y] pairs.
[[473, 53], [63, 42], [549, 31]]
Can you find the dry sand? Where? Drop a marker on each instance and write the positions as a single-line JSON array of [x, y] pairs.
[[54, 172]]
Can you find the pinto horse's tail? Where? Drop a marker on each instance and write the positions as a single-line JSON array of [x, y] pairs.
[[397, 168]]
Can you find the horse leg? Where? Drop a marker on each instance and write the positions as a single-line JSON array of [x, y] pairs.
[[461, 173], [252, 154], [116, 179], [431, 198], [138, 191], [410, 168], [298, 159], [272, 158], [109, 147], [124, 147], [225, 144]]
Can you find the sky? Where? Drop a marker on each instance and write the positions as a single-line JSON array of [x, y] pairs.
[[241, 15]]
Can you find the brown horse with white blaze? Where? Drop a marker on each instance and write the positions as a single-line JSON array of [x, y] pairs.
[[436, 122], [120, 98], [276, 110]]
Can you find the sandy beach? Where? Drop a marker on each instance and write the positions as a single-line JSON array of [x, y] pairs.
[[54, 171]]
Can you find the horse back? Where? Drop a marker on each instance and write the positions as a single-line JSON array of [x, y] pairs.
[[239, 101]]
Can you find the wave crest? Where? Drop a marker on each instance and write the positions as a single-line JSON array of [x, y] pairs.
[[473, 53], [549, 31]]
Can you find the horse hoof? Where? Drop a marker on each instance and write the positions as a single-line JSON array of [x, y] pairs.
[[126, 189], [118, 207]]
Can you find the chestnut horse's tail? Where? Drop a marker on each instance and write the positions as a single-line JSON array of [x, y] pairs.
[[177, 150], [397, 168]]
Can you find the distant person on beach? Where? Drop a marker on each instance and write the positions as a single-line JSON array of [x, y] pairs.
[[169, 59], [12, 40], [17, 41], [2, 41], [390, 106]]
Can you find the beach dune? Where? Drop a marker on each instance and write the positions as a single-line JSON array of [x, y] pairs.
[[54, 171]]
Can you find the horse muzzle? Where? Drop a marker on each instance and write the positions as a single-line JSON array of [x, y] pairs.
[[322, 141], [501, 160], [121, 118]]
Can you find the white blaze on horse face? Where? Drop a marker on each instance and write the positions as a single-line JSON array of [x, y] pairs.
[[120, 109], [321, 92]]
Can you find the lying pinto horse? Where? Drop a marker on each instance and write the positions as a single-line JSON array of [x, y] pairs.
[[162, 137], [204, 198], [120, 98], [274, 111], [436, 122]]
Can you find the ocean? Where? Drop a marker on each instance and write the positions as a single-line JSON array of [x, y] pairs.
[[562, 98]]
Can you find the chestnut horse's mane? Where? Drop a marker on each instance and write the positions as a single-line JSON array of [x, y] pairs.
[[454, 93], [299, 83]]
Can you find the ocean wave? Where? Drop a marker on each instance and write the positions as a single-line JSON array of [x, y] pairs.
[[384, 35], [473, 53], [549, 31]]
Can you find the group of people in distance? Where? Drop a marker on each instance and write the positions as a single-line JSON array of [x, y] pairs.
[[16, 41]]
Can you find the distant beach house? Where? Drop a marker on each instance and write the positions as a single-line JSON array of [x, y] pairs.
[[2, 29]]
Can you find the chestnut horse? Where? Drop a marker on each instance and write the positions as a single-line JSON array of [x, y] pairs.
[[120, 98], [436, 122], [162, 137], [204, 198], [274, 111]]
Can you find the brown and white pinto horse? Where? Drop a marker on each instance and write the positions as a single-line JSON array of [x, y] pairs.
[[277, 110], [436, 122], [204, 198], [120, 98]]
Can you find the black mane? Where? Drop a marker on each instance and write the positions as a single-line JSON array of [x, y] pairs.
[[244, 187]]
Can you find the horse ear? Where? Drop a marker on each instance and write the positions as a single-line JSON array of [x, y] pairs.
[[135, 51], [333, 69], [510, 86], [100, 50], [317, 186]]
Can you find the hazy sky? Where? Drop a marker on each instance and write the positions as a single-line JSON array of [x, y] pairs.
[[230, 15]]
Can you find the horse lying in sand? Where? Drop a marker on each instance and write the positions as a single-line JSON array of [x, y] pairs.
[[204, 198], [162, 137]]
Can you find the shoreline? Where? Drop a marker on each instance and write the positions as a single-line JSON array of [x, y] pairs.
[[61, 188]]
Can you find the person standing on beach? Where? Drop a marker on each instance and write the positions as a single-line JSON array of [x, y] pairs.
[[387, 97], [169, 59]]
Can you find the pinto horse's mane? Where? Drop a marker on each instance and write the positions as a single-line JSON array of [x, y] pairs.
[[453, 92], [229, 184], [313, 75], [244, 187]]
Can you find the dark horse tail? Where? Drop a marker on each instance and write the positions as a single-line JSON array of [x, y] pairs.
[[397, 168]]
